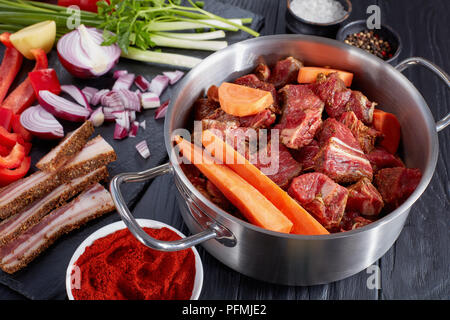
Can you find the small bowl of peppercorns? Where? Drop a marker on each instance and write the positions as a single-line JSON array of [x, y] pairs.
[[384, 43]]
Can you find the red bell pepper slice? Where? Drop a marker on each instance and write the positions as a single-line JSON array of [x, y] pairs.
[[8, 139], [27, 147], [14, 158], [45, 79], [11, 63], [6, 116], [23, 96], [4, 151], [8, 176], [19, 129]]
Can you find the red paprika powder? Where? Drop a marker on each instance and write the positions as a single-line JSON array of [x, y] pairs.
[[119, 267]]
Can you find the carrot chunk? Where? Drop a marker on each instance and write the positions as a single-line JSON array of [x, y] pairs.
[[243, 101], [309, 75], [303, 222], [389, 126], [253, 205]]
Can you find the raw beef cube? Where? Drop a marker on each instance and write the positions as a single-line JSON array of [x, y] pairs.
[[305, 155], [380, 159], [331, 128], [397, 184], [366, 136], [301, 118], [213, 94], [364, 198], [320, 196], [263, 119], [351, 221], [286, 168], [285, 71], [252, 81], [333, 92], [204, 108], [262, 71], [342, 163], [219, 125], [361, 106]]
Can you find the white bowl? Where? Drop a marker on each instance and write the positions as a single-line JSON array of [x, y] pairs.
[[113, 227]]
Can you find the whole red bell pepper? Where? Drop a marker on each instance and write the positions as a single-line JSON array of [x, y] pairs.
[[8, 176], [6, 117], [45, 79], [23, 96], [11, 63], [19, 129], [14, 158], [88, 5]]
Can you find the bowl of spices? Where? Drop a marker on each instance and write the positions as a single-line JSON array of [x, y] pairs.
[[384, 42], [317, 17], [111, 264]]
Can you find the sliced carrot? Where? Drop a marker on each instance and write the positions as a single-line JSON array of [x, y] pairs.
[[253, 205], [309, 75], [243, 101], [389, 126], [303, 222]]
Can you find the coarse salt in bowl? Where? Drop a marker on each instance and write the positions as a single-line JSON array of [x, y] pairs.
[[318, 11], [113, 227]]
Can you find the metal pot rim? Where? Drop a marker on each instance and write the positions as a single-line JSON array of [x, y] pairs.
[[403, 209]]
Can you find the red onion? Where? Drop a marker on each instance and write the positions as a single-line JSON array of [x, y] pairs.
[[134, 129], [113, 100], [142, 83], [159, 84], [108, 114], [174, 76], [161, 111], [82, 54], [97, 117], [143, 150], [123, 118], [89, 93], [77, 95], [41, 123], [119, 73], [98, 96], [150, 100], [120, 132], [130, 100], [61, 107], [132, 115], [124, 82], [142, 124]]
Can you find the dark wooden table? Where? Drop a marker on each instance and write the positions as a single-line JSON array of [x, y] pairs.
[[417, 266]]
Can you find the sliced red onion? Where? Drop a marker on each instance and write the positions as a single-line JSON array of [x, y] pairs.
[[98, 96], [109, 114], [77, 95], [130, 100], [159, 84], [113, 100], [174, 76], [82, 54], [97, 117], [61, 107], [134, 129], [142, 124], [142, 83], [161, 111], [118, 73], [120, 132], [132, 115], [123, 118], [124, 82], [89, 93], [143, 149], [41, 123], [150, 100]]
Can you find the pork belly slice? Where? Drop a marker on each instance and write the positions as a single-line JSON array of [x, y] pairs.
[[305, 155], [396, 184], [320, 196], [301, 118], [380, 159], [364, 198], [351, 221], [18, 195], [91, 204], [333, 128], [252, 81], [342, 163], [19, 223], [366, 136], [67, 148], [285, 71]]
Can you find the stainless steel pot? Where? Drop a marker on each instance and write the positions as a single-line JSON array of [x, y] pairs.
[[285, 258]]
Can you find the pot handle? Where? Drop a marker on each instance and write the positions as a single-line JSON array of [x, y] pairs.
[[444, 122], [131, 222]]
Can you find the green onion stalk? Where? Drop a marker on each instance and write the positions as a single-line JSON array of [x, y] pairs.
[[140, 28]]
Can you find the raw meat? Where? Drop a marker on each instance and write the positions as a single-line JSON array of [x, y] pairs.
[[364, 198], [366, 136], [305, 155], [285, 71], [331, 128], [380, 159]]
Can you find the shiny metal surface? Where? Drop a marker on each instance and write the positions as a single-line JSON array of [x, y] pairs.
[[297, 259]]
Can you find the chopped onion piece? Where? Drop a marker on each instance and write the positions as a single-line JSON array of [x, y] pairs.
[[132, 115], [130, 100], [134, 129], [124, 82], [142, 83], [113, 100], [123, 118], [89, 93], [118, 73], [142, 124], [41, 123], [143, 149], [97, 117], [109, 114], [150, 100], [77, 95], [98, 96], [159, 84], [120, 132], [161, 111], [61, 107], [174, 76]]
